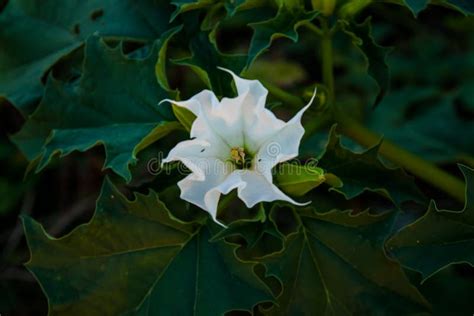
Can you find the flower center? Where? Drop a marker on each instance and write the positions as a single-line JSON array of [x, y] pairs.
[[240, 158]]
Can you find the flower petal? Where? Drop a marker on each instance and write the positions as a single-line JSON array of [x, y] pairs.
[[255, 188], [259, 123], [204, 99], [197, 155], [205, 193], [283, 145]]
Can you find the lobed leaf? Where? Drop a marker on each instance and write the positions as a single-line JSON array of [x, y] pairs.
[[364, 171], [374, 54], [440, 237], [432, 132], [34, 36], [335, 265], [109, 102], [290, 16], [135, 258], [206, 58]]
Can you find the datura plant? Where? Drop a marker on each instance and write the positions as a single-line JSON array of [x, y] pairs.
[[329, 172], [235, 145]]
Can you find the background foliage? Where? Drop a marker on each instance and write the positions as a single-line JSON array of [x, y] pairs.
[[79, 122]]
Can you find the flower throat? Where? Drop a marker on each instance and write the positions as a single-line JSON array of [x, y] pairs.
[[240, 158]]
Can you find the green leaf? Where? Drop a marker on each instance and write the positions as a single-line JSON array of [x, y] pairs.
[[110, 101], [234, 6], [440, 237], [425, 122], [290, 15], [259, 234], [465, 6], [364, 171], [134, 258], [34, 36], [184, 116], [335, 265], [205, 59], [298, 180], [188, 5], [416, 6], [374, 54]]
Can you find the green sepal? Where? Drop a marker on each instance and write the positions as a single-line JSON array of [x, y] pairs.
[[297, 180]]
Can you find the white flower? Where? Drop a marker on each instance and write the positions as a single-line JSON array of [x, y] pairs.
[[234, 144]]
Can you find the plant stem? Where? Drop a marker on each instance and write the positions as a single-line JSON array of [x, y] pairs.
[[282, 94], [414, 164], [327, 61], [351, 128], [310, 26], [419, 167]]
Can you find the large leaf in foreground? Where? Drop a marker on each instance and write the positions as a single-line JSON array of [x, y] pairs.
[[114, 104], [34, 35], [364, 171], [440, 237], [335, 265], [135, 258]]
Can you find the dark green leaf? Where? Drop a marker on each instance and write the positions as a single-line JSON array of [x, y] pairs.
[[134, 258], [205, 59], [34, 36], [364, 171], [440, 237], [335, 265], [290, 16], [425, 122], [109, 101], [466, 6], [416, 6], [187, 5], [374, 54], [233, 6]]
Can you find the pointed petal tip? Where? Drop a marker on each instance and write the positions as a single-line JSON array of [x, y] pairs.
[[219, 223], [301, 204], [226, 70], [301, 112], [165, 100], [312, 98]]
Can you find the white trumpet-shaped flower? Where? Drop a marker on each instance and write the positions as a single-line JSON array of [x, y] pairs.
[[234, 144]]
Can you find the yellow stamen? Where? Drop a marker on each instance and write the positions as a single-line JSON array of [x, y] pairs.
[[237, 154]]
